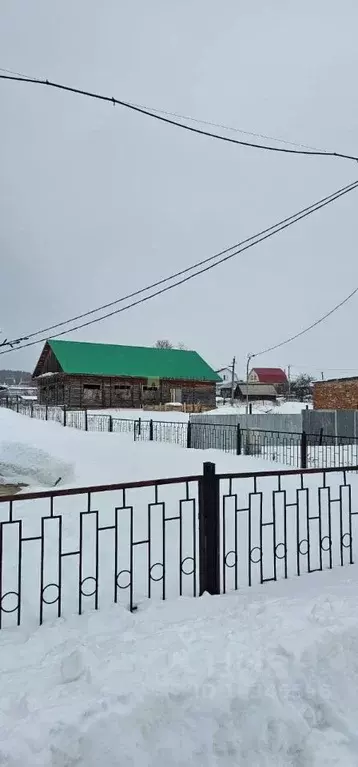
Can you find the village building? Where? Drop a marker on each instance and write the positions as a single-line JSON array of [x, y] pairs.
[[94, 375], [252, 392], [271, 376], [336, 394]]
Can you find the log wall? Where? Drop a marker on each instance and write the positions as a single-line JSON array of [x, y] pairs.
[[101, 392]]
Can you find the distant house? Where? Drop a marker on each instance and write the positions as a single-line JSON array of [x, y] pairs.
[[256, 392], [225, 381], [79, 375], [273, 376]]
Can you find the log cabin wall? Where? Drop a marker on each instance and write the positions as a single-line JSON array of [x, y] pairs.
[[98, 392]]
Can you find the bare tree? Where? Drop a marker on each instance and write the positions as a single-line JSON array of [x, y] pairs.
[[302, 386], [163, 344]]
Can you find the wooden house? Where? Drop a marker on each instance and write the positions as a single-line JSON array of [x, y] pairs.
[[270, 376], [92, 375]]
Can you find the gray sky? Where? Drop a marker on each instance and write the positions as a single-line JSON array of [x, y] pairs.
[[96, 201]]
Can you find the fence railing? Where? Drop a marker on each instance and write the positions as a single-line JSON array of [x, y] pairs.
[[296, 449], [66, 551]]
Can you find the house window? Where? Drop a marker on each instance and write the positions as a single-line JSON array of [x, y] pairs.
[[123, 391], [150, 393], [92, 393]]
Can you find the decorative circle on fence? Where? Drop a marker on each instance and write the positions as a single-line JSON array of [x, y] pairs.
[[160, 577], [88, 593], [277, 555], [349, 537], [187, 559], [16, 606], [325, 547], [129, 579], [232, 563], [57, 593], [304, 541], [256, 561]]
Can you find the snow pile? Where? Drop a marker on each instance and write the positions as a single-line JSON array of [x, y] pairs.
[[38, 453], [23, 464], [263, 678]]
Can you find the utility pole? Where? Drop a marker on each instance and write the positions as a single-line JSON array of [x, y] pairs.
[[322, 376], [289, 379], [249, 358], [233, 382]]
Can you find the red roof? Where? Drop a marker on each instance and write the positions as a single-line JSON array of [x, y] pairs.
[[271, 375]]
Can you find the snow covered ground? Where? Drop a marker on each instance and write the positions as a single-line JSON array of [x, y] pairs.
[[260, 677], [149, 544], [145, 415], [266, 677], [259, 408], [39, 453]]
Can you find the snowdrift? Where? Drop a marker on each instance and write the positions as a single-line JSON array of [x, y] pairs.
[[264, 678], [38, 453]]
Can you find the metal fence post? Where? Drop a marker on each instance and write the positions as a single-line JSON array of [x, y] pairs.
[[151, 431], [209, 531], [46, 412], [238, 439], [86, 419], [17, 405], [139, 426], [188, 435], [32, 409], [64, 416], [110, 423], [303, 450]]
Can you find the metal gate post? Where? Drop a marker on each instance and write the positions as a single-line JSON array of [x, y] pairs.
[[188, 435], [238, 439], [209, 531], [303, 450]]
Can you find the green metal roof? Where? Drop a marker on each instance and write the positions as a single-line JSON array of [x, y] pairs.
[[79, 358]]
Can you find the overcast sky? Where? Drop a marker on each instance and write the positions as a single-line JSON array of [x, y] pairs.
[[96, 201]]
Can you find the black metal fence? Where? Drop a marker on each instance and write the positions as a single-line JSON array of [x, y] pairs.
[[299, 450], [67, 551]]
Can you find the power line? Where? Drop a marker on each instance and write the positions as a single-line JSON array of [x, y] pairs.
[[325, 367], [328, 198], [11, 72], [310, 327], [189, 118], [171, 121], [255, 240], [227, 127]]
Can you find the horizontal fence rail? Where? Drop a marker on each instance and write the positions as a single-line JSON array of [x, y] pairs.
[[72, 550], [297, 449], [68, 551]]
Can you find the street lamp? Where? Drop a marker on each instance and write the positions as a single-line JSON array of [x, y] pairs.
[[249, 358]]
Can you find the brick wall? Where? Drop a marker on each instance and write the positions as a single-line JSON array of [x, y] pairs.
[[336, 395]]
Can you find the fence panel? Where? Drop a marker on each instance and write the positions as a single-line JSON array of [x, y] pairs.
[[71, 551], [67, 551], [299, 450], [279, 525]]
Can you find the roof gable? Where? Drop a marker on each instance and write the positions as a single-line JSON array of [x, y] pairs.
[[80, 358], [270, 375]]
